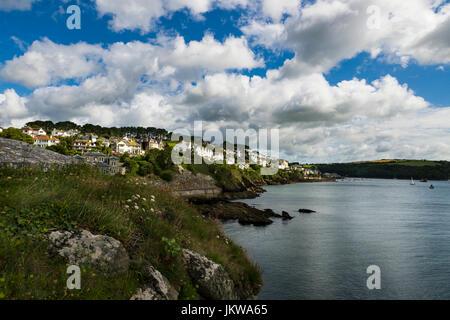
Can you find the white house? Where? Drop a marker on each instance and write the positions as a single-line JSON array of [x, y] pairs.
[[127, 146], [83, 145], [45, 141], [1, 129], [283, 165], [90, 136], [34, 131]]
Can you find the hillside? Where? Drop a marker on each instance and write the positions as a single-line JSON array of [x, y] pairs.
[[157, 234], [391, 169]]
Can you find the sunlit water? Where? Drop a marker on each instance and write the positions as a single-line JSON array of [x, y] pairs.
[[403, 229]]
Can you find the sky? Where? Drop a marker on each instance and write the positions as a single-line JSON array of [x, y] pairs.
[[342, 80]]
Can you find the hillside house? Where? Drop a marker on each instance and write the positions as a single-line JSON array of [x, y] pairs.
[[106, 165], [45, 141], [83, 145], [34, 131], [283, 165], [149, 144], [127, 146]]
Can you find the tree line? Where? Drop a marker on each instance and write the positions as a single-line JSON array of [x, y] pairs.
[[106, 132]]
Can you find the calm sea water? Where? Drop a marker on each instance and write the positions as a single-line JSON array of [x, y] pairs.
[[403, 229]]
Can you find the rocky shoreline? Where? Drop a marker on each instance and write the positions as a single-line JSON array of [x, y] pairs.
[[226, 208]]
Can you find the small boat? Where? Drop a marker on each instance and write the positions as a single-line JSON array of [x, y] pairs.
[[423, 180], [412, 182], [431, 187]]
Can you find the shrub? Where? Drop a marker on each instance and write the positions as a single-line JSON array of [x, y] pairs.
[[166, 175], [16, 134]]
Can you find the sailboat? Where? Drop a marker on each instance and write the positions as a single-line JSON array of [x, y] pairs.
[[412, 181]]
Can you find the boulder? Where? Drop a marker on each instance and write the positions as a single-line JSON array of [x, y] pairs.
[[213, 281], [156, 287], [287, 216], [306, 211], [104, 253]]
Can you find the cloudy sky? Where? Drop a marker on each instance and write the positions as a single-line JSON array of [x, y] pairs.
[[343, 80]]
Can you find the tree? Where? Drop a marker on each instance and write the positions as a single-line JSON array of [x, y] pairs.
[[16, 134], [48, 126]]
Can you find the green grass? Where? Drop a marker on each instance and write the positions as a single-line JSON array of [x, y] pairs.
[[34, 203]]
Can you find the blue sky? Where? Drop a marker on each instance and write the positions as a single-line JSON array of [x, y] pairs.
[[46, 20], [318, 56]]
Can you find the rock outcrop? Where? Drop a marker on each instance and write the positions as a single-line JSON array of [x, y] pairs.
[[287, 216], [19, 154], [307, 211], [242, 212], [156, 287], [212, 279], [104, 253]]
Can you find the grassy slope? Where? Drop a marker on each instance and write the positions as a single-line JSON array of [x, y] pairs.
[[400, 169], [32, 203], [232, 179]]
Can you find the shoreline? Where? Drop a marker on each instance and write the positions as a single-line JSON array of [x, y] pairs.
[[228, 207]]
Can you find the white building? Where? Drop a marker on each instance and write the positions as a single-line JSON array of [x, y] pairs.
[[34, 132], [283, 165], [127, 146], [84, 145], [45, 141], [1, 129]]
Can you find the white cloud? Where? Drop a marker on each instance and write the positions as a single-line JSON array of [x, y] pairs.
[[275, 9], [48, 63], [327, 32], [13, 109], [9, 5], [142, 14], [170, 82]]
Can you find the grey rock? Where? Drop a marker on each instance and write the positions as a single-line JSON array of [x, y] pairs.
[[287, 216], [18, 154], [307, 211], [157, 287], [213, 281], [106, 254]]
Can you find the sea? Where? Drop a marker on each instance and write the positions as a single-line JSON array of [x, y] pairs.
[[370, 239]]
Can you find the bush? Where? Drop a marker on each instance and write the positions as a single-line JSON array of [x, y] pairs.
[[166, 175], [145, 168], [16, 134]]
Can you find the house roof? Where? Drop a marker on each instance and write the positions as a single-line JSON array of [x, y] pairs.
[[94, 154], [45, 138]]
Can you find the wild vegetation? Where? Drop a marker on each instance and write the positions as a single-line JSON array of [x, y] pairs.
[[151, 224], [106, 132], [391, 169], [16, 134]]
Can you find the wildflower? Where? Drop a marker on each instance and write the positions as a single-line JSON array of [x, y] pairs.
[[144, 199], [129, 200], [9, 178], [127, 206], [152, 210], [136, 207], [138, 196]]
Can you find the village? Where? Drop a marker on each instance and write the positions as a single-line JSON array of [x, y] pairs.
[[105, 153]]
